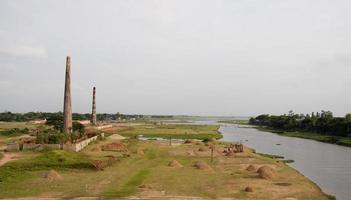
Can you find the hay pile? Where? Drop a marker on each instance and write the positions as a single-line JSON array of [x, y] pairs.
[[202, 149], [266, 172], [140, 152], [188, 141], [53, 175], [248, 189], [251, 168], [114, 146], [202, 165], [190, 153], [174, 163]]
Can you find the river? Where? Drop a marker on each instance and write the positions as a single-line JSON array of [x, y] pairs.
[[328, 165]]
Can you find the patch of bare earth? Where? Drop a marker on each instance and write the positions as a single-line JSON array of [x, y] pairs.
[[9, 157]]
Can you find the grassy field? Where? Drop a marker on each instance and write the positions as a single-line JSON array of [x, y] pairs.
[[142, 170], [147, 174], [9, 134], [176, 131], [344, 141], [19, 125]]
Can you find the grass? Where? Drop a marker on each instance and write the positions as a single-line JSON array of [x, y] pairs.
[[142, 174], [12, 131], [272, 156], [19, 125], [344, 141], [175, 131], [56, 159], [331, 197], [131, 186], [149, 173], [287, 161]]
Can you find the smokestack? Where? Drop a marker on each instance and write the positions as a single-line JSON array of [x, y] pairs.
[[93, 113], [67, 106]]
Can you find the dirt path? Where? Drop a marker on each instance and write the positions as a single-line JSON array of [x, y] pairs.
[[9, 157]]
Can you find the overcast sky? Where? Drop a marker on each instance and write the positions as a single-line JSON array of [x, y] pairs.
[[195, 57]]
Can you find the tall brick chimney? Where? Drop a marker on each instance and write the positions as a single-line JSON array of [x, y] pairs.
[[93, 112], [67, 106]]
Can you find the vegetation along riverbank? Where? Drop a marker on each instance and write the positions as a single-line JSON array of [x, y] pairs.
[[323, 127]]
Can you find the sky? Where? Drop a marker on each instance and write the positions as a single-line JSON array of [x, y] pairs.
[[181, 57]]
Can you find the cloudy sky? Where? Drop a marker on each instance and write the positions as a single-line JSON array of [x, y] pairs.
[[196, 57]]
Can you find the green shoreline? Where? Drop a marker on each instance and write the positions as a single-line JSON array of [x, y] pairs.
[[342, 141]]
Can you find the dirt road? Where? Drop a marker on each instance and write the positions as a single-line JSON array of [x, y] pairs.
[[9, 157]]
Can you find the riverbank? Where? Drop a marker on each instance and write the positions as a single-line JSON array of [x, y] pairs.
[[134, 168], [343, 141], [154, 169]]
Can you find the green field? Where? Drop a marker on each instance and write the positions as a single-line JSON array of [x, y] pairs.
[[19, 125], [176, 131], [142, 169], [148, 175]]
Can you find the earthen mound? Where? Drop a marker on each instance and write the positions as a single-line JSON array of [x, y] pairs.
[[140, 152], [248, 189], [187, 142], [202, 165], [174, 163], [251, 168], [190, 153], [115, 146], [53, 175], [202, 149], [266, 172], [230, 154]]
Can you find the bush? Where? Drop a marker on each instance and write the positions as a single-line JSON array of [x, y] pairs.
[[51, 137], [14, 132]]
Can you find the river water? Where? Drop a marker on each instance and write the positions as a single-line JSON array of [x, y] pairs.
[[328, 165]]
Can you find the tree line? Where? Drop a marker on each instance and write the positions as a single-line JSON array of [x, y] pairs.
[[323, 123], [8, 116]]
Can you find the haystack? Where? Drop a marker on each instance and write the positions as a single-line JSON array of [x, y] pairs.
[[251, 168], [202, 149], [190, 153], [266, 172], [53, 175], [248, 189], [140, 152], [202, 165], [174, 163], [188, 142]]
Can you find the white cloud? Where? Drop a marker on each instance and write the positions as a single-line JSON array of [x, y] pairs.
[[23, 47], [24, 51]]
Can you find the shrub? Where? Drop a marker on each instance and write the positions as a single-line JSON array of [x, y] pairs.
[[51, 137]]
